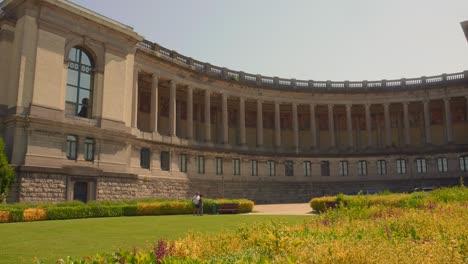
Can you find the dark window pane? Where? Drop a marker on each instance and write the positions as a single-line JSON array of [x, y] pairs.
[[165, 161]]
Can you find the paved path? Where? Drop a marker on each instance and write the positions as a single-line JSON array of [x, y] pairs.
[[282, 209]]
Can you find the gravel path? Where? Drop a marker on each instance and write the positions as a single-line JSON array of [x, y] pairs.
[[282, 209]]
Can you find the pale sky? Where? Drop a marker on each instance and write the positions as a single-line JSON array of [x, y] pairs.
[[305, 39]]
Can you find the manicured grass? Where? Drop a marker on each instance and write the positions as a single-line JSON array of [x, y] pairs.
[[50, 240]]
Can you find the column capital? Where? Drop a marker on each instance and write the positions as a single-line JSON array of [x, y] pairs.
[[330, 106], [207, 92], [294, 103], [348, 106], [405, 102], [386, 104], [313, 105], [447, 99], [241, 98], [426, 100], [155, 76]]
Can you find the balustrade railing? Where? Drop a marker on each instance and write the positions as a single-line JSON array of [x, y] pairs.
[[272, 82]]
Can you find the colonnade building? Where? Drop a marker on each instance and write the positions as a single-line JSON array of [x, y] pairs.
[[89, 109]]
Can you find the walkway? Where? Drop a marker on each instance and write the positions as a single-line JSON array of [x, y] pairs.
[[282, 209]]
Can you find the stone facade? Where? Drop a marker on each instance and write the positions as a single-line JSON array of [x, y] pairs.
[[89, 109]]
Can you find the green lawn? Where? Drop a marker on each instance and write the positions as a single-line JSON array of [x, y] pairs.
[[50, 240]]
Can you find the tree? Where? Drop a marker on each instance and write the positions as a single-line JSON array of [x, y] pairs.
[[7, 173]]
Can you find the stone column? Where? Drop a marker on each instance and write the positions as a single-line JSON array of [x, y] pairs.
[[154, 103], [135, 99], [172, 109], [313, 126], [224, 110], [368, 125], [189, 112], [427, 122], [388, 129], [277, 125], [331, 126], [207, 116], [243, 140], [406, 124], [295, 126], [349, 125], [259, 124], [448, 120]]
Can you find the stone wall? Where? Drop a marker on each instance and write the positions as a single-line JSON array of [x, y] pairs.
[[52, 187]]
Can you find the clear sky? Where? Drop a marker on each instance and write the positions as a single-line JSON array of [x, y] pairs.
[[305, 39]]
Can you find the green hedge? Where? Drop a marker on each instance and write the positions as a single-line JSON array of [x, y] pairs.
[[77, 209], [404, 200]]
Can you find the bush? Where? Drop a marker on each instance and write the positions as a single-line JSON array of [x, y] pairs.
[[34, 214], [321, 204], [5, 217], [61, 213]]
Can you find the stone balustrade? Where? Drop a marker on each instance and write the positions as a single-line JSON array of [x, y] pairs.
[[303, 85]]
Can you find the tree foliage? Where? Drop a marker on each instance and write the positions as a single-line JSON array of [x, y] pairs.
[[7, 173]]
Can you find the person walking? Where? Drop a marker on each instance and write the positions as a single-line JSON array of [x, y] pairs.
[[196, 203], [200, 205]]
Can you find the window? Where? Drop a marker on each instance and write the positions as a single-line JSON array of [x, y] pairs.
[[79, 83], [325, 168], [381, 167], [183, 163], [343, 168], [145, 158], [289, 168], [219, 166], [464, 163], [401, 166], [307, 168], [201, 164], [362, 168], [72, 142], [271, 168], [236, 166], [421, 165], [89, 149], [442, 164], [254, 167], [165, 160]]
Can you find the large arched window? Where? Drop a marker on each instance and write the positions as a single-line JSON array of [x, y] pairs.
[[80, 83]]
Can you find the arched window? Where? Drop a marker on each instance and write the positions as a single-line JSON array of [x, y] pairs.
[[80, 83]]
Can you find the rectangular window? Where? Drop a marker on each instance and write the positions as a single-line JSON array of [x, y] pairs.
[[72, 142], [421, 165], [442, 164], [307, 168], [289, 168], [145, 158], [183, 163], [89, 149], [271, 168], [219, 166], [401, 166], [325, 168], [254, 167], [165, 160], [362, 168], [343, 168], [464, 163], [236, 166], [201, 164], [381, 167]]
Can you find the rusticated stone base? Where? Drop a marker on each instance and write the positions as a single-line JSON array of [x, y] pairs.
[[55, 187]]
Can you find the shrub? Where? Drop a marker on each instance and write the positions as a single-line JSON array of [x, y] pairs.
[[106, 211], [17, 215], [56, 213], [34, 214], [245, 206], [7, 173], [130, 210], [321, 204], [5, 217]]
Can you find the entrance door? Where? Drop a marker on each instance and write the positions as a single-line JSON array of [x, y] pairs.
[[80, 191]]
